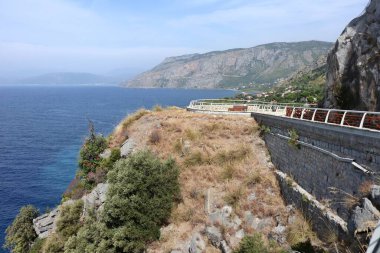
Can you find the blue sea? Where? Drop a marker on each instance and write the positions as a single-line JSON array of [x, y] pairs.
[[42, 129]]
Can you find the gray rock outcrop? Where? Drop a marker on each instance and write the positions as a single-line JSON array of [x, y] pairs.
[[261, 64], [45, 224], [353, 64], [364, 217], [127, 147]]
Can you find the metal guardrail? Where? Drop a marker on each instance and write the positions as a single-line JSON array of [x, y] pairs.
[[344, 118]]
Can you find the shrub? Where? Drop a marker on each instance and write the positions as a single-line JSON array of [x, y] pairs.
[[93, 146], [37, 246], [194, 159], [157, 108], [20, 234], [93, 236], [294, 137], [154, 137], [53, 244], [224, 157], [255, 244], [233, 196], [69, 219], [252, 244], [140, 199], [228, 172]]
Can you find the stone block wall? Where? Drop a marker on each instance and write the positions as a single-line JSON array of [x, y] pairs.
[[322, 164]]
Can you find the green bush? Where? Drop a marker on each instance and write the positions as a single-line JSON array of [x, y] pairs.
[[93, 146], [37, 246], [252, 244], [69, 219], [139, 201], [93, 236], [20, 234], [255, 244], [53, 244]]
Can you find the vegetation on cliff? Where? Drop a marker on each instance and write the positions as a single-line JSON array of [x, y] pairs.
[[158, 200], [20, 234]]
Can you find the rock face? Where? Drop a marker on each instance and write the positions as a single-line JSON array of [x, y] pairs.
[[45, 224], [262, 64], [353, 64]]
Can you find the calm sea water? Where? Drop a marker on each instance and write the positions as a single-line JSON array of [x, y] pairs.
[[42, 129]]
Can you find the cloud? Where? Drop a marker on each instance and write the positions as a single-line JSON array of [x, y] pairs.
[[98, 35]]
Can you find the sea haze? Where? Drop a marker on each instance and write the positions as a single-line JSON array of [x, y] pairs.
[[42, 129]]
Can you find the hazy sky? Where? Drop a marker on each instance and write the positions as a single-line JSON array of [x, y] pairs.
[[101, 36]]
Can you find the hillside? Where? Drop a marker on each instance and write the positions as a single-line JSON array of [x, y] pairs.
[[306, 86], [233, 68], [223, 192]]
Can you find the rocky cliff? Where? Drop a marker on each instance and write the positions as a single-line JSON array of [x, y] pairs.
[[232, 68], [353, 64]]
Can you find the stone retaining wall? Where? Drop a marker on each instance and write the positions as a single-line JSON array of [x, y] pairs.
[[332, 163]]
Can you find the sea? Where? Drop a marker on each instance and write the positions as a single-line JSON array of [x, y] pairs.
[[43, 128]]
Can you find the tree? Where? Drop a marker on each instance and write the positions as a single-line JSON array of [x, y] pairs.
[[93, 146], [20, 234]]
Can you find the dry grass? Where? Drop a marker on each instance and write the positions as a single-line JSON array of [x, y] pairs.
[[119, 134], [300, 231], [222, 153]]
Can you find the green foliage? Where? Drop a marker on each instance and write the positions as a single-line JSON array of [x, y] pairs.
[[20, 234], [68, 222], [294, 137], [264, 130], [252, 244], [139, 201], [94, 236], [37, 246], [108, 163], [89, 154], [53, 244], [305, 88], [255, 244]]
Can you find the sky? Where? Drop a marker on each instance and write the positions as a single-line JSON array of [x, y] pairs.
[[123, 37]]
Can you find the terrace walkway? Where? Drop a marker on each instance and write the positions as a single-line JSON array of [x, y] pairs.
[[344, 118]]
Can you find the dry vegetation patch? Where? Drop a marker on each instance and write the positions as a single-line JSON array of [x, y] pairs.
[[221, 153]]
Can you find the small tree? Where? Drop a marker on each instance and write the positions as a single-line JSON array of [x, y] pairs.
[[94, 145], [20, 234]]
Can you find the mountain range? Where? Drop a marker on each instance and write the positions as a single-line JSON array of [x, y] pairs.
[[265, 64]]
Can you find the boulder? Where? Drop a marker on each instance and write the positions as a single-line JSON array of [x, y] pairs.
[[106, 154], [364, 217], [375, 195], [214, 235], [45, 224], [224, 247], [127, 147], [197, 244]]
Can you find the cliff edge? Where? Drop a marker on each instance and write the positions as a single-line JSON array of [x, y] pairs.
[[353, 64]]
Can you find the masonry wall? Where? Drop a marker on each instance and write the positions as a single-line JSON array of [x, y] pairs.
[[322, 164]]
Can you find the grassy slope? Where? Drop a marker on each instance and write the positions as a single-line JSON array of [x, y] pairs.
[[219, 153]]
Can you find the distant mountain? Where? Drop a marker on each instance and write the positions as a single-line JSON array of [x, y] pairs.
[[233, 68], [66, 78]]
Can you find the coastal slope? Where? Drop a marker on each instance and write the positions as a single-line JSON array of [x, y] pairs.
[[264, 64]]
